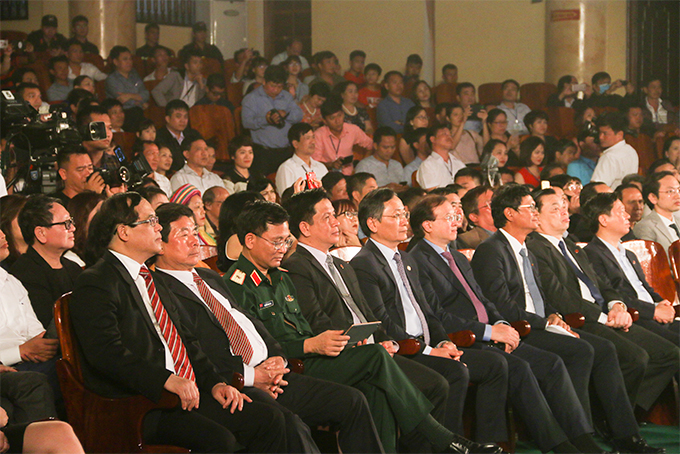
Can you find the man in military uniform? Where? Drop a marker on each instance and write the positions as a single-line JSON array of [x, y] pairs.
[[268, 293]]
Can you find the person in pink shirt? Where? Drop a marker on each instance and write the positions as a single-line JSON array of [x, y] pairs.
[[335, 140]]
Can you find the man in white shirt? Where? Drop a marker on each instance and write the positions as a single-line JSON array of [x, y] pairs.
[[294, 47], [301, 138], [388, 172], [194, 172], [618, 158], [514, 110], [662, 193], [75, 63], [440, 168]]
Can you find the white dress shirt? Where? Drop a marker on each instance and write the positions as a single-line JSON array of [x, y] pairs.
[[615, 163], [260, 352], [435, 173], [412, 321], [18, 322], [627, 268], [293, 168], [515, 117], [188, 93], [187, 175], [516, 247], [133, 267], [164, 183], [88, 69]]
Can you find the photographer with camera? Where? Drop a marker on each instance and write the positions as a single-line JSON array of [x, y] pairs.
[[77, 173], [95, 148], [269, 112]]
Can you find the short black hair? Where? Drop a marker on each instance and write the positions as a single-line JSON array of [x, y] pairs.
[[323, 55], [331, 179], [79, 18], [619, 190], [275, 74], [84, 115], [372, 206], [297, 131], [448, 66], [390, 74], [321, 89], [432, 132], [373, 67], [652, 185], [470, 201], [189, 54], [76, 95], [175, 104], [547, 168], [256, 218], [383, 131], [589, 191], [356, 53], [596, 206], [658, 163], [633, 177], [301, 208], [188, 142], [139, 145], [116, 210], [64, 154], [116, 51], [532, 116], [238, 142], [413, 137], [259, 184], [538, 195], [215, 80], [35, 213], [79, 80], [615, 120], [149, 192], [150, 26], [357, 182], [600, 76], [110, 103], [169, 213], [469, 172], [414, 59], [145, 124], [509, 81], [424, 211], [54, 60], [462, 86], [330, 107], [509, 196]]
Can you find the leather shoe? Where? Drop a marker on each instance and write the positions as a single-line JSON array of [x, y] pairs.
[[461, 445], [635, 444]]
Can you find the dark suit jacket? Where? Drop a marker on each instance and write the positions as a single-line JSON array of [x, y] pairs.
[[560, 283], [380, 290], [44, 284], [319, 297], [201, 321], [123, 354], [472, 238], [165, 138], [498, 274], [608, 269], [446, 294]]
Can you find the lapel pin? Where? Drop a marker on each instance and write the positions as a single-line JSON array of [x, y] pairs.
[[408, 267]]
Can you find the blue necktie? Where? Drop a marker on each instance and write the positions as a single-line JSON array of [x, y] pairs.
[[582, 276], [534, 291]]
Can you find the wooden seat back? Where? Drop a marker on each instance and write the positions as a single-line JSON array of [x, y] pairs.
[[674, 255], [125, 140], [490, 93], [536, 94], [214, 122], [654, 263], [468, 253]]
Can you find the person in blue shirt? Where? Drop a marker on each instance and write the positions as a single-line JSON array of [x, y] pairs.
[[125, 85], [583, 167], [392, 110]]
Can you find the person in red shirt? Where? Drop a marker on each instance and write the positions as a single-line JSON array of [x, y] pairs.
[[371, 94], [357, 59]]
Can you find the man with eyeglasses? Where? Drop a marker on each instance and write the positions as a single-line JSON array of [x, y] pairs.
[[388, 279], [134, 341], [570, 283], [477, 208], [268, 293], [215, 94], [662, 193], [507, 274], [440, 168]]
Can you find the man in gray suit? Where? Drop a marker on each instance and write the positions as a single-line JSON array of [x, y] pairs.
[[662, 193]]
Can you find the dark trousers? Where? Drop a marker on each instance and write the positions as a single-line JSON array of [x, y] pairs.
[[669, 331], [320, 403], [268, 160], [26, 396], [49, 369], [648, 361], [489, 373]]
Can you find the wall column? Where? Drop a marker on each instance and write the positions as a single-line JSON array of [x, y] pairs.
[[112, 22], [575, 39]]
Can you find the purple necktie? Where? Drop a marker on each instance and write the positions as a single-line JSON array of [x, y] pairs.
[[479, 307]]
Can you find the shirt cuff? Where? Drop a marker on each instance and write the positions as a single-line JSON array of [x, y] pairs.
[[602, 318], [612, 302], [427, 350], [248, 375], [487, 333], [10, 356]]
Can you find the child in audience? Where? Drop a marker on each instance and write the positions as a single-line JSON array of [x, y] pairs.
[[146, 131], [532, 155], [371, 94], [355, 74]]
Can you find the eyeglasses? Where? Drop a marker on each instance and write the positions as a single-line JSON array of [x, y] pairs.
[[278, 245], [67, 224], [532, 207], [573, 186], [671, 192], [349, 214], [152, 221], [451, 218], [399, 215], [499, 122]]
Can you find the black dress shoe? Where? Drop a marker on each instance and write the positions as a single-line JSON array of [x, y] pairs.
[[465, 446], [635, 444]]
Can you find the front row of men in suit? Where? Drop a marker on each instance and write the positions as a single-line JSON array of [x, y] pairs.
[[188, 331]]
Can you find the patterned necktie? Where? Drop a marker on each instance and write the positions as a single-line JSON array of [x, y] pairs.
[[414, 303], [675, 229], [238, 340], [177, 349], [344, 292], [482, 316], [582, 276], [531, 283]]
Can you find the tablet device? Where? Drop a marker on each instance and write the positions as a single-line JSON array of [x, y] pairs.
[[360, 331]]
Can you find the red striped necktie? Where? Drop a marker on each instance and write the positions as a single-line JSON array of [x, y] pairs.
[[238, 340], [177, 349]]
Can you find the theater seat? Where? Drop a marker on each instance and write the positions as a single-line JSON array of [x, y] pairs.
[[154, 112], [101, 424], [645, 148], [211, 66], [535, 94], [468, 253], [490, 93], [96, 60], [654, 263], [674, 255], [235, 93], [561, 122], [125, 140], [230, 67], [216, 122]]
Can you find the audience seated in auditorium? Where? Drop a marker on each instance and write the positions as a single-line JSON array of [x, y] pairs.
[[195, 151], [189, 88], [467, 97], [61, 85], [294, 85], [467, 144], [47, 39], [657, 112], [76, 65], [515, 111], [10, 206], [417, 141], [476, 205], [446, 90], [161, 60], [662, 194], [116, 113], [387, 171], [199, 42], [294, 47], [301, 165], [618, 158], [635, 122], [532, 157], [80, 27], [335, 184], [604, 91], [671, 150], [631, 197], [335, 141], [30, 92], [125, 85], [82, 208], [213, 198], [86, 83], [311, 104], [468, 178], [152, 34], [416, 118], [255, 75], [76, 98], [439, 169], [371, 94], [590, 150], [536, 122], [348, 243], [190, 196], [176, 131], [355, 73], [152, 154], [414, 65], [495, 126], [563, 153], [568, 93], [393, 108], [325, 61], [355, 114], [215, 93]]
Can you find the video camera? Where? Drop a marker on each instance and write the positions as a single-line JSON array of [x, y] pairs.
[[117, 170]]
